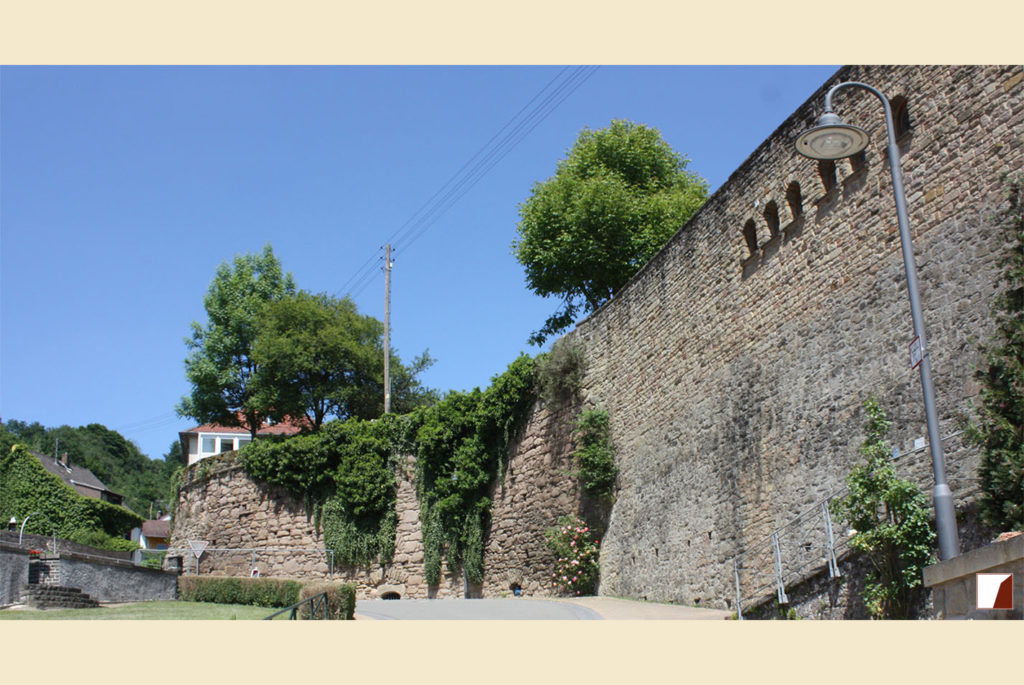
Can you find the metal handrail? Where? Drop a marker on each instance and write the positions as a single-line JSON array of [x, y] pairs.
[[316, 602], [768, 547]]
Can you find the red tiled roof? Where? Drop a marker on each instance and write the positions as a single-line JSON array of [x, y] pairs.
[[286, 427], [156, 529]]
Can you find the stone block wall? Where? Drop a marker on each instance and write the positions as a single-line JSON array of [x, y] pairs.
[[734, 379], [13, 573], [111, 581]]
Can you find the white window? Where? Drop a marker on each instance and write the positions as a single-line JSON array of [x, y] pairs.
[[227, 444], [208, 445], [242, 442]]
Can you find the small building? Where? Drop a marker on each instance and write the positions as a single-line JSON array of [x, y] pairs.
[[211, 438], [79, 478], [155, 533]]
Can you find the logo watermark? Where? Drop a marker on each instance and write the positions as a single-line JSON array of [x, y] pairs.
[[995, 590]]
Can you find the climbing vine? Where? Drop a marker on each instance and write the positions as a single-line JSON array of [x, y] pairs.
[[595, 456], [461, 444], [346, 473], [28, 490]]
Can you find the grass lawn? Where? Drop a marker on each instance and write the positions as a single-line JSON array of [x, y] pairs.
[[146, 611]]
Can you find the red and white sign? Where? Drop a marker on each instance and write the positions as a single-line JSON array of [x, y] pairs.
[[995, 590]]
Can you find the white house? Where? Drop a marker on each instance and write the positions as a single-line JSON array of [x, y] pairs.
[[210, 438]]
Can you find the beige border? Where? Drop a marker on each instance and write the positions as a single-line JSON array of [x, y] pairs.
[[524, 32], [521, 32]]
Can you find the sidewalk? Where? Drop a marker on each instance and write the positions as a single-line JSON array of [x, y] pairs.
[[614, 609]]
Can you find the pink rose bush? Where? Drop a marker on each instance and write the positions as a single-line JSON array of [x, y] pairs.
[[576, 556]]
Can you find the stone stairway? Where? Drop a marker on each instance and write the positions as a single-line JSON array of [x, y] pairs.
[[56, 597]]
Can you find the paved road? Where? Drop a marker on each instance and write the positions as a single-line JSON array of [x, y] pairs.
[[585, 609]]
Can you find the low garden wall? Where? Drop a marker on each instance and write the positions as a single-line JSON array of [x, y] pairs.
[[13, 572]]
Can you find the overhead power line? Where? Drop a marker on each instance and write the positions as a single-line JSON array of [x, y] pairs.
[[531, 115]]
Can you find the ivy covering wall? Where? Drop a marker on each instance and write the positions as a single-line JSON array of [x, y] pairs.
[[26, 487], [346, 473]]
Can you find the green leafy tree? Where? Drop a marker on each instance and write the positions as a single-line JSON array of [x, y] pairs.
[[999, 429], [221, 366], [613, 202], [889, 517], [318, 357]]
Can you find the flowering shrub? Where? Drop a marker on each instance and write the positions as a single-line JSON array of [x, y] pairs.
[[576, 556]]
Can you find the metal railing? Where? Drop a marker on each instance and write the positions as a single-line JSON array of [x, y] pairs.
[[316, 603], [801, 547], [253, 554]]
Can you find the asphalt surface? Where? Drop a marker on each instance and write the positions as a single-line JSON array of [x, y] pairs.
[[521, 609]]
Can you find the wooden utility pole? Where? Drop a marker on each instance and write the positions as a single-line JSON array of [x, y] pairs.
[[387, 328]]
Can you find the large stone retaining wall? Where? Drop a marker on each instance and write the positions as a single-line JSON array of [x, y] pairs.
[[251, 525], [734, 381], [734, 377]]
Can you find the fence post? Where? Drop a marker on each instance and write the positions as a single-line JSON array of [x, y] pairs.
[[780, 586], [833, 565], [739, 601]]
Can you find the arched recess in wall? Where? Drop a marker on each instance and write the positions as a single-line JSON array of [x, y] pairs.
[[750, 235], [795, 200], [858, 161], [771, 217], [900, 116], [827, 173]]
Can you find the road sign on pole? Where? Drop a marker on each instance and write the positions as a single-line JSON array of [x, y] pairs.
[[198, 546]]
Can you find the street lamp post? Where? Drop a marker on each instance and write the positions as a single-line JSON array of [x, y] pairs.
[[832, 139], [21, 533]]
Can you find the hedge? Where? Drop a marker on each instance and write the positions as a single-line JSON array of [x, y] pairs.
[[268, 592], [261, 592], [341, 599]]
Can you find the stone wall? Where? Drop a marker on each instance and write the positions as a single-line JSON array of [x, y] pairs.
[[13, 572], [734, 370], [112, 581], [235, 515], [734, 381], [248, 524]]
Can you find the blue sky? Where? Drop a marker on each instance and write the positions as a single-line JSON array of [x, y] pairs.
[[123, 188]]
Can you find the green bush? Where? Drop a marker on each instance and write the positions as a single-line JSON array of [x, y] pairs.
[[889, 518], [560, 373], [263, 592], [101, 540], [341, 599], [595, 456], [576, 556]]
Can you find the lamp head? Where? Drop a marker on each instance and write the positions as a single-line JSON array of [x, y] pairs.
[[831, 139]]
